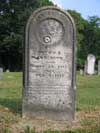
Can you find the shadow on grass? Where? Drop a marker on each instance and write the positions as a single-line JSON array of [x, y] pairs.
[[14, 105], [78, 109]]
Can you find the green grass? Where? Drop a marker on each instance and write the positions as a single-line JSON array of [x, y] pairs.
[[87, 97], [88, 92], [11, 91]]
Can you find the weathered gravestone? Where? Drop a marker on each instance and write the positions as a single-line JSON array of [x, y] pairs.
[[81, 72], [91, 64], [99, 67], [49, 75], [1, 73]]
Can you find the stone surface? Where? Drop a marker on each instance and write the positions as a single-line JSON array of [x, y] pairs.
[[91, 64], [49, 75], [99, 67], [1, 73], [81, 72]]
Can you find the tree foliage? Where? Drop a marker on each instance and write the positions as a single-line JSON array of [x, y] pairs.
[[13, 18], [88, 37], [80, 23]]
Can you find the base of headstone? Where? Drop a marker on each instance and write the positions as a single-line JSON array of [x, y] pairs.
[[61, 116]]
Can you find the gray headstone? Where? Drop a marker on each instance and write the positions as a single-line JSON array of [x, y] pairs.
[[99, 67], [91, 64], [81, 72], [49, 75], [1, 73]]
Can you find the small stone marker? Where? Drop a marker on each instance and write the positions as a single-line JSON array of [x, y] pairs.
[[91, 64], [1, 73], [49, 75], [81, 72], [99, 67], [7, 70]]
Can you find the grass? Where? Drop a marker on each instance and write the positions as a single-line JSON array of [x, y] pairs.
[[88, 92], [11, 91], [88, 105]]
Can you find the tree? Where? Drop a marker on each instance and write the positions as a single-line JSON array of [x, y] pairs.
[[92, 37], [80, 23], [88, 37], [13, 18]]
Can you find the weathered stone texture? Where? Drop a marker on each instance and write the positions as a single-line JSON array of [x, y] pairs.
[[49, 65]]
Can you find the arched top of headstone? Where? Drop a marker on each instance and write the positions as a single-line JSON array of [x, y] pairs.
[[50, 12], [91, 57]]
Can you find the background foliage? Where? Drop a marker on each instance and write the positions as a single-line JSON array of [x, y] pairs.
[[13, 17]]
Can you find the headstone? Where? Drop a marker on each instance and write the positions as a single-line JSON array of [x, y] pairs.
[[49, 75], [99, 67], [81, 72], [7, 70], [91, 64], [1, 73]]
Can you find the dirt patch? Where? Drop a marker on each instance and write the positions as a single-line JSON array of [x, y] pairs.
[[84, 119]]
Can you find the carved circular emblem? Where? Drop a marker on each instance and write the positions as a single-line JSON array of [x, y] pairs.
[[50, 31], [47, 39]]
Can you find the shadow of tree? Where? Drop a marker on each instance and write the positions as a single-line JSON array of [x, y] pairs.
[[14, 105]]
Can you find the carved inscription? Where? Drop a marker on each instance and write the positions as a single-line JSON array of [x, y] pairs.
[[48, 67]]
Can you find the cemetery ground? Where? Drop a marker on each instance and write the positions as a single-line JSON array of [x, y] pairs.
[[87, 115]]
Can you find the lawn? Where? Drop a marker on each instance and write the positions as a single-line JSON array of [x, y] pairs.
[[87, 105], [88, 92]]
